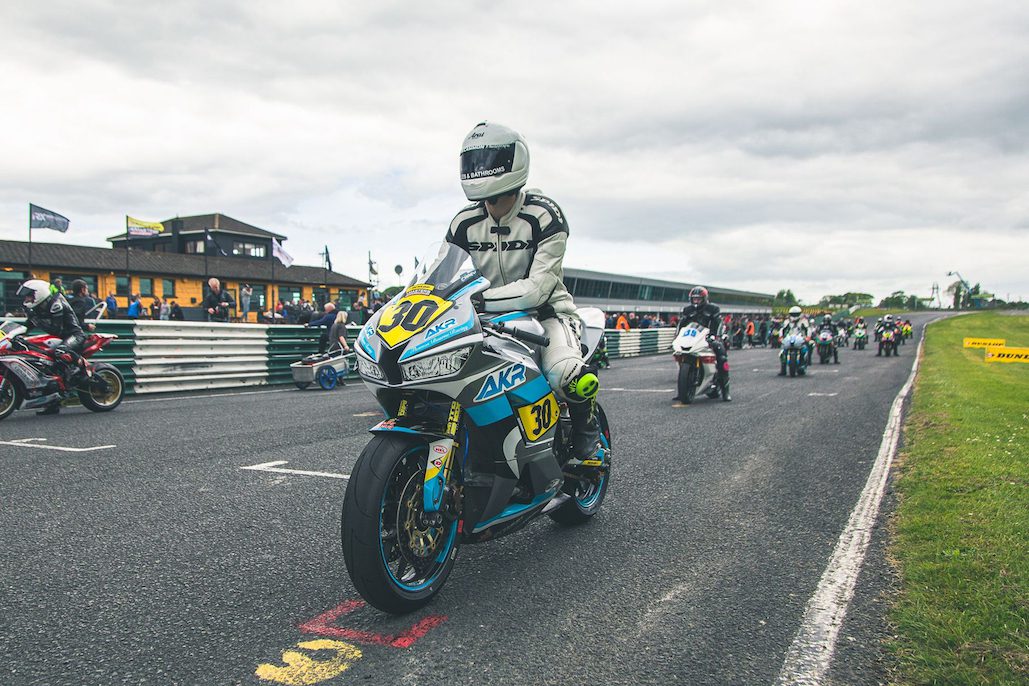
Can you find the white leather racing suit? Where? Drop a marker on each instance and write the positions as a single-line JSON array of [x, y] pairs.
[[521, 254]]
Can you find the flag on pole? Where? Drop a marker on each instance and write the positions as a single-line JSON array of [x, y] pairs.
[[40, 218], [135, 228], [212, 245], [371, 266], [328, 260], [279, 252]]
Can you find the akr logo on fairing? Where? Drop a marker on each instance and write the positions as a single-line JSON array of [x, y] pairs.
[[501, 382]]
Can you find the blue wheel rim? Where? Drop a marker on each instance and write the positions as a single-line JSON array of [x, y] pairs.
[[327, 378]]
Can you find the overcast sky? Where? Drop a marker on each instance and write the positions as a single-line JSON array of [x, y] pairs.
[[821, 146]]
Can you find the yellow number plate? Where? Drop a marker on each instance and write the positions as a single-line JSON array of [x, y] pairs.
[[538, 418], [409, 316]]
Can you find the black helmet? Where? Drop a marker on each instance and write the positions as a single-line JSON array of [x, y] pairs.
[[827, 319], [698, 296]]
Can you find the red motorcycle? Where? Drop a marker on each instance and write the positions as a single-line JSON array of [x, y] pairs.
[[31, 378]]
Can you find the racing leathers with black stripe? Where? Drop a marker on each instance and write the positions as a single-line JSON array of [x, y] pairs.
[[709, 316], [522, 254]]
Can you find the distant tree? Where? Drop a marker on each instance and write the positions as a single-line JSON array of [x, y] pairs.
[[897, 299], [785, 298]]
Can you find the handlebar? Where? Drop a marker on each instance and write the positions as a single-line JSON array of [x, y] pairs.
[[528, 337]]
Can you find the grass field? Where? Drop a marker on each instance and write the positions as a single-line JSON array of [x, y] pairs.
[[961, 532]]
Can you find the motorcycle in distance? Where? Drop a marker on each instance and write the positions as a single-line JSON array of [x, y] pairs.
[[888, 343], [906, 331], [826, 348], [860, 338], [793, 356], [475, 445], [696, 362], [30, 377]]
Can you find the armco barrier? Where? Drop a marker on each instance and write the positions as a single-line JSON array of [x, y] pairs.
[[160, 356]]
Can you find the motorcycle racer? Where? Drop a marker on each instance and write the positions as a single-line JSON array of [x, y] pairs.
[[859, 325], [47, 309], [703, 312], [795, 323], [517, 239], [827, 325], [887, 324]]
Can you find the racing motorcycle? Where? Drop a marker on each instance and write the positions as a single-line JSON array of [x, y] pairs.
[[794, 354], [825, 344], [30, 377], [888, 343], [475, 445], [696, 362], [860, 338]]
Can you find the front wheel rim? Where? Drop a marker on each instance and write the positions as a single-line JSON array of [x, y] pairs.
[[114, 389], [414, 557]]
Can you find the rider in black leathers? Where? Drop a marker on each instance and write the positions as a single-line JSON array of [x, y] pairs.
[[708, 315], [827, 325], [50, 311]]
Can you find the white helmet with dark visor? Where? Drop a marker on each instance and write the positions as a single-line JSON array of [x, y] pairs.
[[494, 161]]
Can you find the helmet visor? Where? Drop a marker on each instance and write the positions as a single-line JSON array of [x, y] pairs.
[[484, 162], [26, 294]]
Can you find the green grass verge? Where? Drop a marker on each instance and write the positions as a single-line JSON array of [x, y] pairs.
[[961, 532]]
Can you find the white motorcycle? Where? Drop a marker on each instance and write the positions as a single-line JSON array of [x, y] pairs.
[[696, 363]]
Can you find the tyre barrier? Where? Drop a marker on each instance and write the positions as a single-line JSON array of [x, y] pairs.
[[163, 357]]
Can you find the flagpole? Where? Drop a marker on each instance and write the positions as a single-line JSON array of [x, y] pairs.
[[30, 240]]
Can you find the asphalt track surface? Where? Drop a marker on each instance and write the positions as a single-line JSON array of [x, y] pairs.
[[160, 560]]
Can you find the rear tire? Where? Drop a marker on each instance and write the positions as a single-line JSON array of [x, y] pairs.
[[98, 401], [327, 378], [792, 364], [380, 528], [10, 397]]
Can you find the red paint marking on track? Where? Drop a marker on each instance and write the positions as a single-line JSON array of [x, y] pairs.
[[324, 625]]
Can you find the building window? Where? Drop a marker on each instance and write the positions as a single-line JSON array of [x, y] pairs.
[[247, 249], [289, 293], [195, 247], [121, 285], [624, 291], [146, 286], [168, 288]]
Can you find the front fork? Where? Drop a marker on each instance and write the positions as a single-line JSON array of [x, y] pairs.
[[439, 461]]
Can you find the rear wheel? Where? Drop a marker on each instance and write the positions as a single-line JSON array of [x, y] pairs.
[[396, 561], [105, 390], [9, 397], [688, 381], [327, 378], [588, 493]]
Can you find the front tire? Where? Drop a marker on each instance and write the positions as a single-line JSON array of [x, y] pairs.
[[687, 381], [99, 400], [793, 364], [10, 397], [395, 564]]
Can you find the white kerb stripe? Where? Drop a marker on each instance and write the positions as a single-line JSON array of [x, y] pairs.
[[810, 655]]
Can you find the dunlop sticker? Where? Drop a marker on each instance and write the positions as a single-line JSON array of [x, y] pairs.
[[984, 342], [994, 354]]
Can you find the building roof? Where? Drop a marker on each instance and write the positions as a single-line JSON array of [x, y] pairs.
[[622, 278], [216, 223], [88, 259]]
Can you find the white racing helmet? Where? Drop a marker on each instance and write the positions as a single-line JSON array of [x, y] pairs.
[[494, 161], [795, 313], [33, 293]]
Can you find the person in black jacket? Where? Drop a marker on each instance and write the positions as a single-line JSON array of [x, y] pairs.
[[80, 301], [218, 302], [708, 315], [50, 311]]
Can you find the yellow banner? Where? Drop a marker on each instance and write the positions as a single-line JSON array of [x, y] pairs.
[[984, 342], [136, 227], [1007, 355]]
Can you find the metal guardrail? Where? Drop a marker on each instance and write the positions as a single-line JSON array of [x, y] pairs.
[[162, 356]]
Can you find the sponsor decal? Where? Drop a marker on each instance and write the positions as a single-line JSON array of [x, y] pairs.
[[501, 382], [985, 342], [439, 449], [483, 172], [486, 246], [439, 328], [998, 354]]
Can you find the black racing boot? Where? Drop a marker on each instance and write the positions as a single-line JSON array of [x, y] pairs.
[[723, 384], [52, 408], [585, 435]]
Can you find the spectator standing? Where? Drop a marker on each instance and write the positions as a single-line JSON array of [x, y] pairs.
[[80, 301], [623, 322], [245, 293], [155, 309], [135, 308], [762, 332], [165, 311], [325, 321], [112, 306], [750, 332], [218, 302], [338, 332], [175, 312]]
